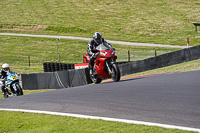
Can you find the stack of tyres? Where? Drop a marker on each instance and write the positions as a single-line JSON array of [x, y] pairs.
[[61, 66], [56, 66], [48, 67], [45, 67], [64, 66], [52, 67], [72, 66], [68, 66]]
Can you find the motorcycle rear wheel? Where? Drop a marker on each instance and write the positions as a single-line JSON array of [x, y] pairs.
[[116, 73], [95, 79]]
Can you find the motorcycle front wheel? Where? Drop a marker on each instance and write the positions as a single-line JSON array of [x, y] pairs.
[[19, 90], [115, 73], [5, 95]]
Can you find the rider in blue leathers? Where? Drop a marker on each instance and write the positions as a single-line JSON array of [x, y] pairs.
[[3, 75]]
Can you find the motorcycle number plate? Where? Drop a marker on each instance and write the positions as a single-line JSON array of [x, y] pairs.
[[14, 77]]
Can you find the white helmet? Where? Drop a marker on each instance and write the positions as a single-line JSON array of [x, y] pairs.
[[5, 67]]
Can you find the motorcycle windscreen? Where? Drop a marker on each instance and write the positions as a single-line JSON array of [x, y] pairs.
[[103, 47]]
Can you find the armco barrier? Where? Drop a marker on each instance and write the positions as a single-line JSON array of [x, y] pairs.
[[55, 80], [164, 60]]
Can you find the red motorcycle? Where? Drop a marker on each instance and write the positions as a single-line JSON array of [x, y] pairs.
[[104, 64]]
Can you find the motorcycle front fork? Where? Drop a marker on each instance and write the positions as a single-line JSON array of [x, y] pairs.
[[14, 87], [11, 90], [108, 67]]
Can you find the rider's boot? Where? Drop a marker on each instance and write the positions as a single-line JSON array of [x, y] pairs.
[[91, 64], [4, 92], [94, 71]]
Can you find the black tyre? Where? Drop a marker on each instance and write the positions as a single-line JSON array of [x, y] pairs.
[[116, 73], [94, 78], [61, 66], [52, 67], [19, 90], [68, 66], [5, 95], [45, 67], [48, 67], [56, 66], [65, 67]]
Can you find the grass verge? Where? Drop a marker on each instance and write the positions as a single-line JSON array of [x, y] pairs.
[[18, 122]]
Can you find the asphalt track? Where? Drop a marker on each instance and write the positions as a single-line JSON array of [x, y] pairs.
[[172, 99]]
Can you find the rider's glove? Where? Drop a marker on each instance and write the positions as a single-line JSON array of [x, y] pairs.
[[94, 55]]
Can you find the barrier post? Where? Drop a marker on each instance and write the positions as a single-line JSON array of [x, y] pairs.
[[155, 53], [59, 57], [57, 39], [128, 56], [29, 61], [188, 42]]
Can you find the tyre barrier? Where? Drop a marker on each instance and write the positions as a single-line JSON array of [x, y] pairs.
[[52, 67], [45, 67]]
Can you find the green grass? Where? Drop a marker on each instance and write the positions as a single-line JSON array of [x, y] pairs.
[[19, 122], [15, 52], [148, 21]]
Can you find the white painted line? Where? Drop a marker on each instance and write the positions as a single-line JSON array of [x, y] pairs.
[[105, 118], [87, 39]]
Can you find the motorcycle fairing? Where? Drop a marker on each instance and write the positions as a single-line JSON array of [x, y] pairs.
[[100, 68]]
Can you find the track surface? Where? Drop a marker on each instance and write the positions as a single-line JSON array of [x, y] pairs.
[[172, 99]]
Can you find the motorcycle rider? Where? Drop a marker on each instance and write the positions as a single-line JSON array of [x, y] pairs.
[[3, 74], [91, 51]]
